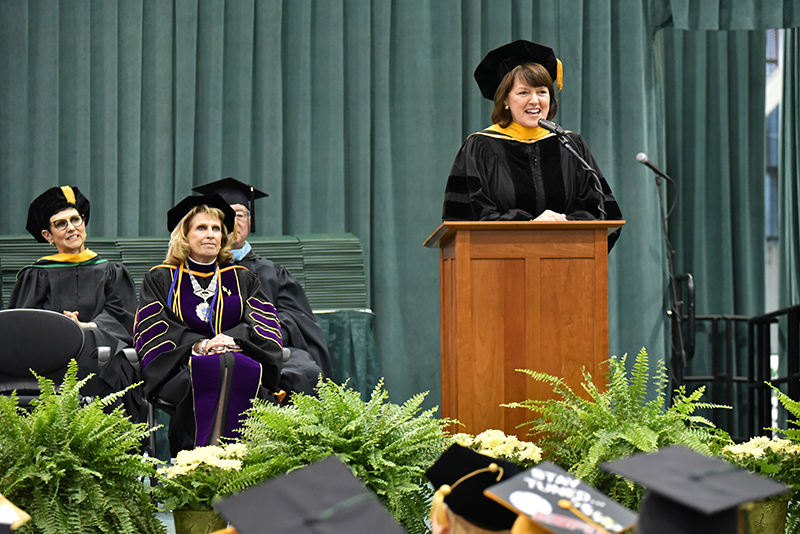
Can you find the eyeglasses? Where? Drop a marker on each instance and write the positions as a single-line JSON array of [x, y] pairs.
[[62, 224], [242, 215]]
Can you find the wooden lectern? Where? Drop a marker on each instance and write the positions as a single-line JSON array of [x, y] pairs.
[[518, 295]]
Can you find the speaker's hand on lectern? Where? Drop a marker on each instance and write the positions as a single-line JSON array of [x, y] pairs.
[[549, 215]]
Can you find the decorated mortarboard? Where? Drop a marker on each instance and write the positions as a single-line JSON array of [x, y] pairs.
[[50, 202], [460, 475], [689, 492], [11, 517], [322, 498], [500, 61], [179, 211], [557, 502], [234, 192]]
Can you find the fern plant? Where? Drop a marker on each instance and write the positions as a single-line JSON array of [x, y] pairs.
[[580, 433], [793, 407], [388, 446], [73, 467], [793, 435]]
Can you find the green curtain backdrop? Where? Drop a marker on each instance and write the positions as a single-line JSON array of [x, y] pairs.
[[729, 14], [719, 164], [348, 113], [789, 173]]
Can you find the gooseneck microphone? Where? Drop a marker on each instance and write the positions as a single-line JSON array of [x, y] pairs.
[[641, 157], [564, 139], [552, 127]]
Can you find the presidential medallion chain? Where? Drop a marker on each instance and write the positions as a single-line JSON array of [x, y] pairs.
[[202, 310]]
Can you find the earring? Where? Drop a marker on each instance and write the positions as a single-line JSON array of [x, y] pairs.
[[506, 108]]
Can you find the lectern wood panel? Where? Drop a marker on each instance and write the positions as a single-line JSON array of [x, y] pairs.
[[514, 296]]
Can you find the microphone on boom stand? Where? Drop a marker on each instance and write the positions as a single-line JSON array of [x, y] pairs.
[[564, 139], [680, 353]]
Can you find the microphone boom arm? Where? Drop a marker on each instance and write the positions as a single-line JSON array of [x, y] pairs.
[[586, 167]]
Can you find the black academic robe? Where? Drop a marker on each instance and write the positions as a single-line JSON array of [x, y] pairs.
[[100, 291], [205, 395], [302, 333], [497, 176]]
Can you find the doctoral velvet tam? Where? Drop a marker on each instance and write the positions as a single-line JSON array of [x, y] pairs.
[[51, 202], [500, 61]]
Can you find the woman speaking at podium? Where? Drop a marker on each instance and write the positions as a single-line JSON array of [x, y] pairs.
[[517, 170]]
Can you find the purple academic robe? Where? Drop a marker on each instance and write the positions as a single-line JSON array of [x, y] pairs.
[[205, 395]]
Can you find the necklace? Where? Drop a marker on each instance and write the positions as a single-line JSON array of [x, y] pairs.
[[203, 310]]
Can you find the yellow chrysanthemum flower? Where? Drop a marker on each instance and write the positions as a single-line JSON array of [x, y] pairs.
[[496, 444], [224, 463]]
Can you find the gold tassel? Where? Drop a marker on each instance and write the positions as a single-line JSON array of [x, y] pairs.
[[69, 194], [559, 74], [438, 510]]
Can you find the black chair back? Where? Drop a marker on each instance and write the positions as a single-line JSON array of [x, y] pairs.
[[40, 340]]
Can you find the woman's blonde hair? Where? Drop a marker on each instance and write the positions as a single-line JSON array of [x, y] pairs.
[[455, 524], [532, 74], [179, 248]]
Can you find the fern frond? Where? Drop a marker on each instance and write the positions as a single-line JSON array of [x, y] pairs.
[[580, 433], [388, 446], [793, 407], [75, 468]]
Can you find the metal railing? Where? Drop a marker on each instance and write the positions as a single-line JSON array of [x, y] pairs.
[[726, 386], [736, 378], [760, 371]]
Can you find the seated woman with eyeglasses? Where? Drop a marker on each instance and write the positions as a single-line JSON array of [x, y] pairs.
[[97, 294]]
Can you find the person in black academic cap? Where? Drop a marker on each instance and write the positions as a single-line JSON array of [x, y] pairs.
[[460, 476], [97, 294], [691, 493], [302, 333], [516, 170], [208, 339]]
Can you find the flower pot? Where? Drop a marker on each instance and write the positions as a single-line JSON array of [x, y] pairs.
[[198, 521], [766, 517]]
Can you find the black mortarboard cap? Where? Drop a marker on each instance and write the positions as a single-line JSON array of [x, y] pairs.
[[322, 498], [234, 192], [500, 61], [467, 498], [52, 201], [179, 211], [689, 492]]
